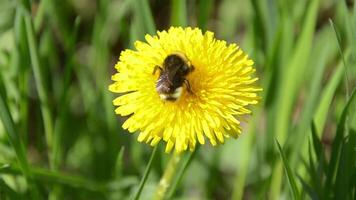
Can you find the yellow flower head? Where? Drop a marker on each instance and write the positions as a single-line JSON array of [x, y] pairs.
[[204, 94]]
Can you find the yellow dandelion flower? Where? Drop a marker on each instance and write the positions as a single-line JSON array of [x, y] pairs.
[[183, 86]]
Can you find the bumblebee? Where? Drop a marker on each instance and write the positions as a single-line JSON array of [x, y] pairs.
[[172, 76]]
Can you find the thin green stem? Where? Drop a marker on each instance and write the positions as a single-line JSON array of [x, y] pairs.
[[181, 173], [338, 41], [145, 175], [166, 180]]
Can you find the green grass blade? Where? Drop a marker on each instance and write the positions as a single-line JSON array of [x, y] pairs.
[[316, 170], [318, 148], [21, 60], [312, 169], [9, 192], [294, 72], [205, 8], [338, 41], [40, 85], [316, 141], [119, 163], [308, 189], [179, 13], [346, 174], [349, 19], [290, 84], [327, 95], [145, 175], [16, 142], [320, 56], [289, 173], [248, 145], [261, 23], [136, 32], [146, 18], [228, 18], [346, 169], [53, 177], [64, 99], [336, 146]]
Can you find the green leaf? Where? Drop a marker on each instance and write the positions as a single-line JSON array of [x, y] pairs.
[[119, 162], [343, 174], [318, 149], [336, 146], [316, 171], [311, 167], [308, 189], [289, 173]]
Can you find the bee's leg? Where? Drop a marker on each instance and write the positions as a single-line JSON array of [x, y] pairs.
[[192, 68], [156, 68], [186, 82]]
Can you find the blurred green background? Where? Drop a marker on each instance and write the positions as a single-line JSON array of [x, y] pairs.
[[60, 138]]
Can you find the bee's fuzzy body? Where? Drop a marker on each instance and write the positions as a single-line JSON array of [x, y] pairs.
[[172, 76]]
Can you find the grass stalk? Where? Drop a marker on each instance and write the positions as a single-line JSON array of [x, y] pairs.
[[240, 178], [36, 66], [289, 173], [290, 87], [327, 97], [338, 41], [17, 144], [145, 175]]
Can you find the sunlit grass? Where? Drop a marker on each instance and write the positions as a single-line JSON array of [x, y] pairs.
[[60, 138]]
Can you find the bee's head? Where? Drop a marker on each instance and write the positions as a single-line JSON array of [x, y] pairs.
[[177, 62]]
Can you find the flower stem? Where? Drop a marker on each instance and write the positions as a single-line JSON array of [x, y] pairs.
[[167, 177], [181, 172]]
